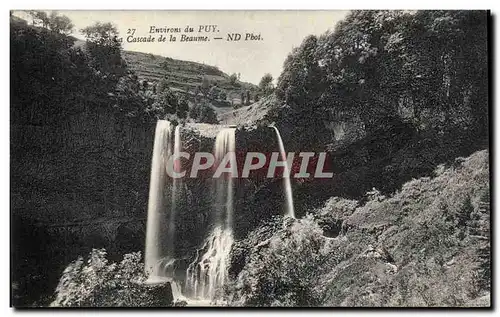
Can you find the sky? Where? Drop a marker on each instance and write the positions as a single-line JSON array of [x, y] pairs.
[[280, 31]]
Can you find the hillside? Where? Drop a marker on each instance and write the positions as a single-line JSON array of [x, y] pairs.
[[426, 245], [184, 76], [249, 115]]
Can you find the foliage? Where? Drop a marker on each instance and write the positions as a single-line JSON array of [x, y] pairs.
[[104, 50], [205, 86], [97, 283], [93, 76], [266, 84], [57, 73], [214, 92], [182, 108], [39, 17], [427, 245], [376, 64], [55, 22], [223, 95], [162, 85], [233, 78], [60, 23], [202, 112], [282, 270], [167, 101]]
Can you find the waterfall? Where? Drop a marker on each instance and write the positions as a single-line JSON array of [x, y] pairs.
[[176, 182], [290, 211], [156, 203], [208, 272], [159, 257], [224, 143]]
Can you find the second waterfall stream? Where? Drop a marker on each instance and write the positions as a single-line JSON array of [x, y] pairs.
[[208, 272]]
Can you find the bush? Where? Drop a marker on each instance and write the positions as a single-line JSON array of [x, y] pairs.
[[166, 100], [203, 113], [182, 108], [233, 78], [282, 270], [97, 283]]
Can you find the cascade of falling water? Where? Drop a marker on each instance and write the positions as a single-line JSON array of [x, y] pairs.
[[208, 271], [290, 211], [224, 143], [156, 202], [160, 233], [173, 207]]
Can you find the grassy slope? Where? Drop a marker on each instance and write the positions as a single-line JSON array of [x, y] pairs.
[[427, 245], [248, 115], [182, 75]]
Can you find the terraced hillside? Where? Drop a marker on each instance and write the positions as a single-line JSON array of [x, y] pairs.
[[184, 75]]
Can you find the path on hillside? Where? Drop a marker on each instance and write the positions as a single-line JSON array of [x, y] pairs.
[[246, 115]]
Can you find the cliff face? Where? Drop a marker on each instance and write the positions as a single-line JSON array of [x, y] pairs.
[[76, 184]]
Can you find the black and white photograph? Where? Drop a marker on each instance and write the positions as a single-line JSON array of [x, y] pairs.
[[250, 158]]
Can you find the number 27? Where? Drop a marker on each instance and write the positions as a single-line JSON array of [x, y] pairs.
[[131, 31]]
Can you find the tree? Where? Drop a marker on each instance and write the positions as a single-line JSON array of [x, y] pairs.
[[242, 98], [162, 85], [207, 115], [233, 78], [222, 95], [167, 101], [205, 86], [98, 283], [266, 84], [60, 23], [104, 34], [105, 51], [214, 92], [202, 112], [248, 97], [182, 108], [39, 17]]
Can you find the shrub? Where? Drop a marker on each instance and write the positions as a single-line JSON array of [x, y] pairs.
[[233, 78], [98, 283], [203, 113], [282, 270], [166, 100], [182, 108]]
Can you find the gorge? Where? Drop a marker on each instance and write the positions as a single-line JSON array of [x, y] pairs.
[[207, 273]]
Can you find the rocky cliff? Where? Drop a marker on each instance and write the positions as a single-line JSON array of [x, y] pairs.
[[76, 184]]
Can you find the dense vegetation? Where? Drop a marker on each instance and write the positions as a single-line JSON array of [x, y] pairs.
[[376, 64], [427, 245], [96, 282], [52, 76]]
